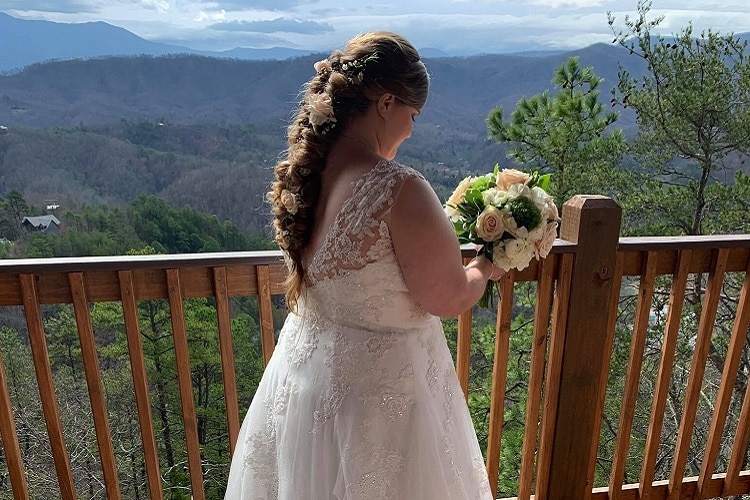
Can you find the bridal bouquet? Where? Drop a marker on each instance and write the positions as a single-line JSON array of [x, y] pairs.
[[508, 213]]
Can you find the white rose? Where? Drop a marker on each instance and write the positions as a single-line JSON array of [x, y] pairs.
[[539, 196], [495, 197], [537, 233], [321, 66], [320, 107], [515, 254], [517, 190], [510, 224], [509, 176], [289, 201], [490, 224], [457, 198]]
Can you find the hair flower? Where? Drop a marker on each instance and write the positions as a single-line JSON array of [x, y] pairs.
[[289, 201], [322, 66], [320, 107]]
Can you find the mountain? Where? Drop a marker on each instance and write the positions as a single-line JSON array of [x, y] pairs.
[[190, 89], [24, 42], [207, 131]]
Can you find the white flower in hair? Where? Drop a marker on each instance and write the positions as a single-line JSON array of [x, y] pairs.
[[320, 107], [321, 66]]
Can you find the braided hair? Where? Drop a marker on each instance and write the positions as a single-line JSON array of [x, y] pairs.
[[343, 87]]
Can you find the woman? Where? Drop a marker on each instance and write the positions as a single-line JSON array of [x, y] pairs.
[[360, 399]]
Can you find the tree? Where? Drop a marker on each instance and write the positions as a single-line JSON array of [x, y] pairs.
[[692, 106], [567, 134], [13, 209]]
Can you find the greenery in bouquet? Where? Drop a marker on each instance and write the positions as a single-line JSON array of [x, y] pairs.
[[509, 214]]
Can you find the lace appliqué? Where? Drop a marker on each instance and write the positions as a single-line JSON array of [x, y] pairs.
[[302, 340], [359, 234], [380, 468], [260, 458]]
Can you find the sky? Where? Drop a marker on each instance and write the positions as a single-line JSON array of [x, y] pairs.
[[454, 26]]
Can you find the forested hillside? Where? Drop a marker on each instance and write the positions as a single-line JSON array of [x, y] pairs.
[[206, 132]]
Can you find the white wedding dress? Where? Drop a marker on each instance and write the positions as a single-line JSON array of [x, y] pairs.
[[360, 399]]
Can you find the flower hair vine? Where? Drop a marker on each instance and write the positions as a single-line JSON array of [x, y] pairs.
[[320, 105], [353, 70]]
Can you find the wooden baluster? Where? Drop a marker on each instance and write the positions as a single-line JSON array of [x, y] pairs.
[[545, 280], [266, 312], [633, 375], [499, 377], [94, 384], [185, 380], [697, 369], [226, 351], [140, 383], [674, 318], [10, 441], [731, 365], [552, 377], [46, 386]]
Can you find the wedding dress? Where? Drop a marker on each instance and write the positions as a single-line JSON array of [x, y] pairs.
[[360, 399]]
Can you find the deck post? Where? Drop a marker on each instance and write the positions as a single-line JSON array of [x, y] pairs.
[[593, 223]]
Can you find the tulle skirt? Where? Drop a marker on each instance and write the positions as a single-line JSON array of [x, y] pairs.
[[355, 414]]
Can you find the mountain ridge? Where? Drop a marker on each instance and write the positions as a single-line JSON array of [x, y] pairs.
[[30, 41]]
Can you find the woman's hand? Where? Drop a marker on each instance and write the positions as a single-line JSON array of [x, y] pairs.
[[485, 265]]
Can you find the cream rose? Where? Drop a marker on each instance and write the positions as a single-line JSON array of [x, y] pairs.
[[544, 245], [509, 176], [457, 198], [321, 66], [289, 201], [490, 224], [320, 107]]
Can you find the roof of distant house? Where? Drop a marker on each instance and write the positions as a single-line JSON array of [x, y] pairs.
[[41, 220]]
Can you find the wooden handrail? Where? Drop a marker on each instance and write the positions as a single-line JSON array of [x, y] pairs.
[[575, 314]]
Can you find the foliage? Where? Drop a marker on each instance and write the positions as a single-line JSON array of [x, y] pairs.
[[693, 116], [148, 221], [567, 134]]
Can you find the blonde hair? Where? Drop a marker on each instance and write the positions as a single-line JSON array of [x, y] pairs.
[[370, 65]]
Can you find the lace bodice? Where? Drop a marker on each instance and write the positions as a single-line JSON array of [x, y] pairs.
[[354, 277], [359, 233]]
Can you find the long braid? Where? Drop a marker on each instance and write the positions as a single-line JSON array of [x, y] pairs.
[[342, 88]]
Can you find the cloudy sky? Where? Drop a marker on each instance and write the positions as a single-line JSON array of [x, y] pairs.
[[455, 26]]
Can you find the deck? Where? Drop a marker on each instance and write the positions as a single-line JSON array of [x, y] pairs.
[[595, 290]]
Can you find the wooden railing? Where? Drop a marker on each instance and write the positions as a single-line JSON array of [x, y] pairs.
[[581, 294]]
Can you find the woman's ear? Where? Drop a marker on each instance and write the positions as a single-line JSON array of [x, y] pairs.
[[385, 103]]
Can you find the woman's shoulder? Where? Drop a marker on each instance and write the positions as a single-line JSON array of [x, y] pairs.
[[396, 170]]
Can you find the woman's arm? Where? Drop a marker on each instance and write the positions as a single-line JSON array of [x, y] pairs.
[[429, 254]]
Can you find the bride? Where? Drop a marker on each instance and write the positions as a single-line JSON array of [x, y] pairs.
[[360, 399]]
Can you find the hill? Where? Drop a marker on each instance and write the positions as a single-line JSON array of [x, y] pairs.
[[196, 89], [206, 132], [25, 42]]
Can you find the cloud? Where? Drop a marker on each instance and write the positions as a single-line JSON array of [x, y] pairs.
[[281, 24], [574, 4], [158, 5], [213, 16], [56, 6], [259, 4]]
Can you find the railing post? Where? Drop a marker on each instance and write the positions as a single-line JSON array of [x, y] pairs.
[[593, 222]]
